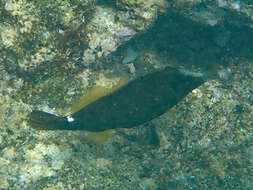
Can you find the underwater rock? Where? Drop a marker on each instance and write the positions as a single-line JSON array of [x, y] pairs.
[[130, 56]]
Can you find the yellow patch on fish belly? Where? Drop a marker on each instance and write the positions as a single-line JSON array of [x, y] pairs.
[[97, 91], [100, 137]]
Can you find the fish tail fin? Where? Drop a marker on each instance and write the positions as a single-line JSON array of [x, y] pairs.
[[46, 121]]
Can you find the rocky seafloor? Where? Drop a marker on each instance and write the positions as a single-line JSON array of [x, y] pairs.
[[52, 52]]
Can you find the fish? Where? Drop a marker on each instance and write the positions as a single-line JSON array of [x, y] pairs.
[[134, 103]]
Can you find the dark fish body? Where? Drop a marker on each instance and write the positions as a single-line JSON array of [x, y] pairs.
[[137, 102]]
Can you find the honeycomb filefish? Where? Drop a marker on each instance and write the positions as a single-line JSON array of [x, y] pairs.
[[135, 103]]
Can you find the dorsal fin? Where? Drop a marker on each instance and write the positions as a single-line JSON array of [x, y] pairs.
[[96, 92]]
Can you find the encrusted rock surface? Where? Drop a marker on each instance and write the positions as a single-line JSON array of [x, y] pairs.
[[53, 51]]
